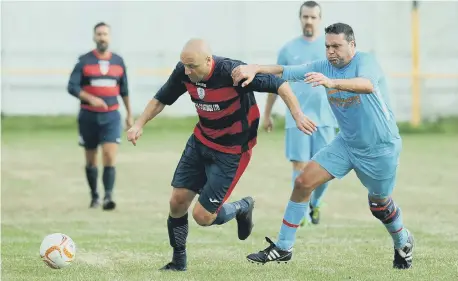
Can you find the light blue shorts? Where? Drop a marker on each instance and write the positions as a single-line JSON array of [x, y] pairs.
[[301, 147], [375, 167]]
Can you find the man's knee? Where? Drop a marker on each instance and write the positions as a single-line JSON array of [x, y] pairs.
[[384, 209], [306, 181], [179, 201], [311, 177], [91, 157], [109, 153], [202, 216], [178, 205]]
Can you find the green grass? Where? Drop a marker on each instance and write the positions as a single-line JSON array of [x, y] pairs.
[[44, 191]]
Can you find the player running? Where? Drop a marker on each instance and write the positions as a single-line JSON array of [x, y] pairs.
[[219, 150], [299, 147], [368, 143]]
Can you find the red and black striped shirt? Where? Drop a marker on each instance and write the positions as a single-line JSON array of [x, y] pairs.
[[228, 115], [105, 78]]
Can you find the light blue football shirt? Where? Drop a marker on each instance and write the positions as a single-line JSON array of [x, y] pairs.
[[365, 120], [313, 100]]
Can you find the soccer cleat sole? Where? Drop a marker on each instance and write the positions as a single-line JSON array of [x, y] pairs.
[[403, 268], [173, 267], [173, 270], [263, 263], [284, 259]]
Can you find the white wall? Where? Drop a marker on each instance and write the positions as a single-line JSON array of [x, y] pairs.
[[50, 35]]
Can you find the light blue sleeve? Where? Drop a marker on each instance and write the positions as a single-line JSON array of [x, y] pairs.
[[297, 72], [282, 58], [369, 68]]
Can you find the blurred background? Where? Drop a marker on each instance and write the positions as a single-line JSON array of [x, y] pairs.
[[42, 40]]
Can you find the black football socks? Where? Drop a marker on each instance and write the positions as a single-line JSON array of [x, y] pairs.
[[178, 233], [91, 176]]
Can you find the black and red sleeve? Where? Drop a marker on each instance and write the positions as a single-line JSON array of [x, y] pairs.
[[261, 82]]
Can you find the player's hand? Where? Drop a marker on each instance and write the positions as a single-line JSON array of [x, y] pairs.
[[129, 121], [241, 72], [306, 125], [98, 102], [268, 123], [133, 134], [318, 79]]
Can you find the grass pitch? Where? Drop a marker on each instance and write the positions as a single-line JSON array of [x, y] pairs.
[[44, 191]]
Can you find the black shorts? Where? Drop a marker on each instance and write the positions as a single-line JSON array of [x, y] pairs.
[[97, 128], [210, 173]]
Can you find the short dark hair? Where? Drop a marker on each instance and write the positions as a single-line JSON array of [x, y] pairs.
[[100, 24], [309, 4], [339, 28]]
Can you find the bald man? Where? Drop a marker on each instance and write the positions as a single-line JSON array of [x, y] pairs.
[[219, 150]]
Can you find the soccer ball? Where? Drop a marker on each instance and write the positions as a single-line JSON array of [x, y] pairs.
[[57, 250]]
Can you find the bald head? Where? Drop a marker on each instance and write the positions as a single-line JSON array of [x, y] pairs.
[[198, 46], [197, 59]]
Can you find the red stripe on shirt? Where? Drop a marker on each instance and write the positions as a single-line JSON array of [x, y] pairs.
[[215, 115], [94, 70], [253, 114], [100, 109], [102, 91], [211, 95], [234, 129], [235, 149]]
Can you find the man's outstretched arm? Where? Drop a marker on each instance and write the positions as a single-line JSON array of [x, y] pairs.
[[153, 108], [272, 84], [167, 95], [287, 72]]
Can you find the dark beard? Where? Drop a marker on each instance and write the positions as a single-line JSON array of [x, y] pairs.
[[102, 47], [307, 33]]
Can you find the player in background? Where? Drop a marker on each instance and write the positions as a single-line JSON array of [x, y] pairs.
[[97, 80], [368, 142], [219, 150], [299, 147]]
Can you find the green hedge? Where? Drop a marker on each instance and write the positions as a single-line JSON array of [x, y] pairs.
[[69, 123], [448, 125], [61, 123]]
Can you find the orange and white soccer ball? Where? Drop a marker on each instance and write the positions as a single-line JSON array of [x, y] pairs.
[[57, 250]]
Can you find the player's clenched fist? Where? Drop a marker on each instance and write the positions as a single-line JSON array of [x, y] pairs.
[[133, 134], [241, 72]]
